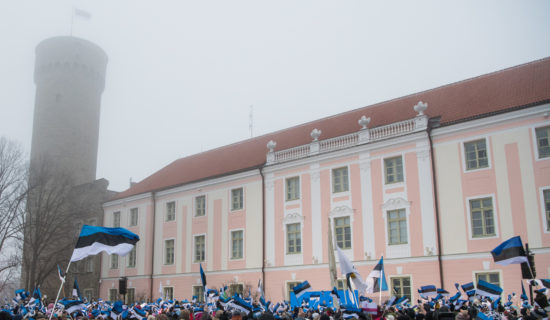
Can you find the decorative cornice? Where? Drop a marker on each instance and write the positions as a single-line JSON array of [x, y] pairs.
[[396, 203]]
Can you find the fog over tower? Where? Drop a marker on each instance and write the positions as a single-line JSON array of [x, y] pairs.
[[70, 77]]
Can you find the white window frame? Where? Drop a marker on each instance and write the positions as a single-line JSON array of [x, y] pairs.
[[115, 213], [341, 212], [88, 293], [195, 236], [164, 292], [231, 245], [90, 261], [390, 284], [231, 199], [201, 298], [397, 183], [164, 252], [166, 210], [287, 282], [388, 227], [135, 258], [339, 193], [495, 216], [488, 144], [127, 296], [112, 257], [290, 201], [115, 290], [534, 140], [499, 271], [130, 217], [301, 226], [543, 208], [195, 206]]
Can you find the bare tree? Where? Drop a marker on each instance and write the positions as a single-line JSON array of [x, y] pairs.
[[13, 190], [49, 232]]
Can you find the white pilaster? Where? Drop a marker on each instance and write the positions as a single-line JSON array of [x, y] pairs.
[[270, 219], [427, 203], [367, 205], [316, 223]]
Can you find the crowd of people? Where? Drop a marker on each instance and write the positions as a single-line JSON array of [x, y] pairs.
[[221, 307]]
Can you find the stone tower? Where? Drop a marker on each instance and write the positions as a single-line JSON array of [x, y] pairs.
[[70, 78]]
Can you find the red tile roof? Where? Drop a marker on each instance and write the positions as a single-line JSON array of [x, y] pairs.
[[500, 91]]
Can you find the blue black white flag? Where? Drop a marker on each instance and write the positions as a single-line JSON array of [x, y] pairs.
[[93, 240], [455, 297], [427, 291], [203, 276], [510, 251], [61, 274], [443, 292], [487, 289], [468, 286], [300, 289], [241, 305], [72, 306], [76, 289], [376, 281]]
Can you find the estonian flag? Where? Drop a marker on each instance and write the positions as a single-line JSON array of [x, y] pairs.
[[76, 289], [487, 289], [203, 276], [241, 305], [443, 292], [468, 286], [61, 274], [523, 294], [300, 289], [93, 240], [427, 291], [376, 281], [510, 251], [72, 306]]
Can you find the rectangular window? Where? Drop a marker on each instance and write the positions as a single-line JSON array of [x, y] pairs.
[[547, 207], [397, 227], [394, 169], [293, 238], [340, 181], [237, 244], [483, 223], [198, 291], [169, 251], [341, 284], [130, 296], [401, 286], [543, 141], [200, 206], [199, 248], [292, 188], [90, 264], [116, 219], [491, 277], [168, 293], [89, 294], [171, 211], [113, 295], [114, 261], [342, 230], [235, 288], [290, 288], [476, 154], [132, 258], [133, 217], [237, 199]]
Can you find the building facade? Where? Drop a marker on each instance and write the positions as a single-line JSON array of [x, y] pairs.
[[432, 182]]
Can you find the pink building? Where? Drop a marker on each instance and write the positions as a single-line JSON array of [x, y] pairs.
[[432, 181]]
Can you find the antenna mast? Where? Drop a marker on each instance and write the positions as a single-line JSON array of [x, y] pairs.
[[250, 121]]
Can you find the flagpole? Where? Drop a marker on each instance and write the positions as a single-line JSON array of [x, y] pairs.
[[59, 291]]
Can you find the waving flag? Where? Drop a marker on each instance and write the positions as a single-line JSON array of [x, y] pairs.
[[487, 289], [76, 289], [203, 276], [510, 251], [61, 274], [93, 240], [351, 273], [301, 289], [72, 306], [523, 294], [427, 291], [376, 281]]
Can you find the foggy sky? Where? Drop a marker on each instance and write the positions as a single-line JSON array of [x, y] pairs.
[[182, 75]]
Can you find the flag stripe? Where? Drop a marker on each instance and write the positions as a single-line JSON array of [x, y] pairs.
[[104, 238], [81, 253]]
